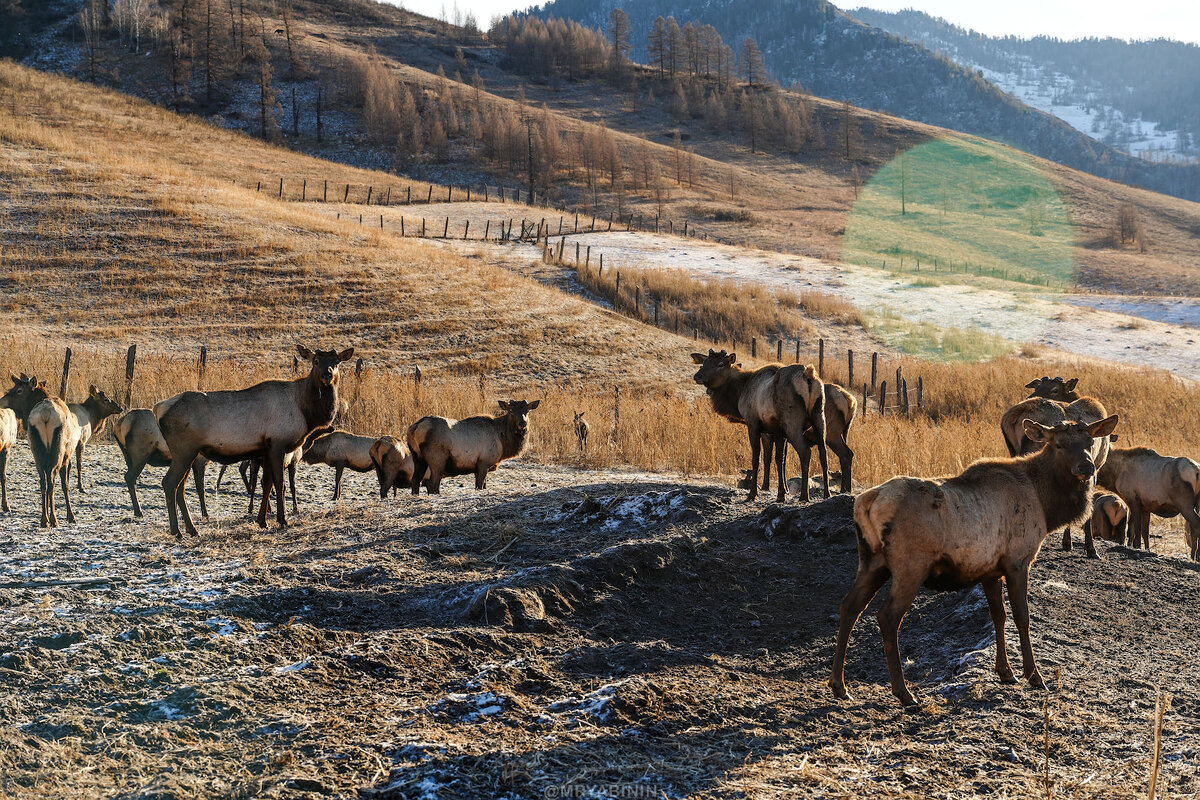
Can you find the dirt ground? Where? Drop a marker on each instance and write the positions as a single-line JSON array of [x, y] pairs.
[[561, 634]]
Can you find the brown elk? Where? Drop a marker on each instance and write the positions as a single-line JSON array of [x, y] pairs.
[[393, 464], [53, 435], [1054, 389], [341, 450], [840, 409], [581, 430], [1110, 518], [91, 415], [1153, 484], [983, 526], [1051, 412], [142, 444], [267, 421], [773, 401], [472, 446], [8, 440]]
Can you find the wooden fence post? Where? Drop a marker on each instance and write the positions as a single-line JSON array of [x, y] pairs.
[[388, 200], [601, 264], [466, 229], [754, 347], [882, 398], [576, 251], [422, 227], [616, 412], [874, 367], [487, 226], [304, 190], [429, 197], [637, 299], [402, 226], [657, 303], [779, 350], [325, 192], [904, 396], [797, 361], [618, 284], [920, 392], [66, 373], [899, 377], [408, 196], [370, 191], [202, 367], [850, 368], [130, 362], [587, 262], [381, 222], [820, 357], [346, 194], [864, 404]]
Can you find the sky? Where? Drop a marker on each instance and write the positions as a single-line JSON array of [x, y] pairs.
[[1066, 19]]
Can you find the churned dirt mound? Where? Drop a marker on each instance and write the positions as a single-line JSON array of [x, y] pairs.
[[563, 633]]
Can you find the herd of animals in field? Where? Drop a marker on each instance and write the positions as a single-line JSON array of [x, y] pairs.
[[982, 527]]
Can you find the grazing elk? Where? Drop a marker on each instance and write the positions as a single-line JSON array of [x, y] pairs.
[[53, 435], [142, 444], [1051, 412], [341, 450], [773, 401], [1154, 484], [474, 445], [90, 414], [840, 409], [393, 464], [267, 421], [1110, 518], [581, 430], [8, 440], [983, 526]]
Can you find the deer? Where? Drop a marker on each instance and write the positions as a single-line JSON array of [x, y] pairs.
[[1110, 517], [267, 421], [1150, 483], [53, 434], [984, 526], [8, 440], [141, 443], [393, 465], [475, 445], [1049, 411], [840, 409], [581, 431], [776, 402], [91, 415], [341, 450]]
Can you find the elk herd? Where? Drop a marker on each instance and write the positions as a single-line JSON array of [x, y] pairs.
[[981, 527]]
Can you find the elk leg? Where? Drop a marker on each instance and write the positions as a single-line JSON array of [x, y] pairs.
[[1089, 541], [198, 467], [755, 449], [995, 597], [292, 484], [65, 476], [252, 469], [481, 471], [264, 506], [1191, 529], [132, 472], [383, 481], [4, 480], [79, 466], [1066, 539], [181, 499], [248, 479], [822, 451], [419, 468], [274, 462], [870, 577], [780, 468], [804, 454], [768, 444], [180, 464], [1018, 598], [900, 599], [1144, 529], [845, 462], [1133, 530], [436, 472], [337, 481], [42, 495]]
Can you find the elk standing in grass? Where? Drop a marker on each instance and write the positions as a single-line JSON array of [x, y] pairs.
[[341, 450], [581, 431], [1044, 408], [90, 414], [472, 446], [840, 409], [772, 401], [8, 440], [142, 444], [393, 464], [1110, 518], [267, 421], [983, 526], [1154, 484], [53, 435]]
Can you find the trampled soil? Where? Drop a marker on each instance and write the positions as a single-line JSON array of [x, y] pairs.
[[562, 634]]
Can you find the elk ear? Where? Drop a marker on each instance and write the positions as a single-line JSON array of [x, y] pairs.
[[1071, 384], [1036, 431], [1032, 384], [537, 403], [504, 404], [16, 381], [733, 358], [92, 390], [712, 352], [808, 371], [346, 354], [697, 358], [304, 352], [1104, 427]]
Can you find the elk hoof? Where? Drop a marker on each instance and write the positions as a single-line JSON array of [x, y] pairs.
[[1007, 676], [1092, 553], [839, 691], [1035, 680], [906, 699]]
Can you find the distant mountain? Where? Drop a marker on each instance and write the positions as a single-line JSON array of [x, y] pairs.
[[834, 55], [1140, 97]]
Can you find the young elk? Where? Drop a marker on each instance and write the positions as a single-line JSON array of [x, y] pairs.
[[53, 435], [581, 430], [142, 444], [8, 440], [983, 526], [840, 408], [1154, 484], [1054, 389], [1110, 518], [780, 403], [267, 421], [90, 414], [474, 445], [341, 450], [393, 465]]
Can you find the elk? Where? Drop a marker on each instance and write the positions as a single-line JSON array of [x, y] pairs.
[[53, 435], [142, 444], [267, 421], [475, 445], [8, 440], [91, 415], [1153, 484], [1110, 518], [1050, 412], [774, 402], [341, 450], [393, 464], [581, 430], [840, 408], [983, 526], [1054, 389]]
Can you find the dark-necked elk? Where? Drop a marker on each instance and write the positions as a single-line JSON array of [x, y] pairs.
[[342, 451], [53, 434], [840, 409], [773, 401], [91, 415], [984, 526], [393, 464], [267, 421], [1153, 484], [1054, 389], [1049, 412], [471, 446], [142, 444], [1110, 518], [581, 431], [8, 440]]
